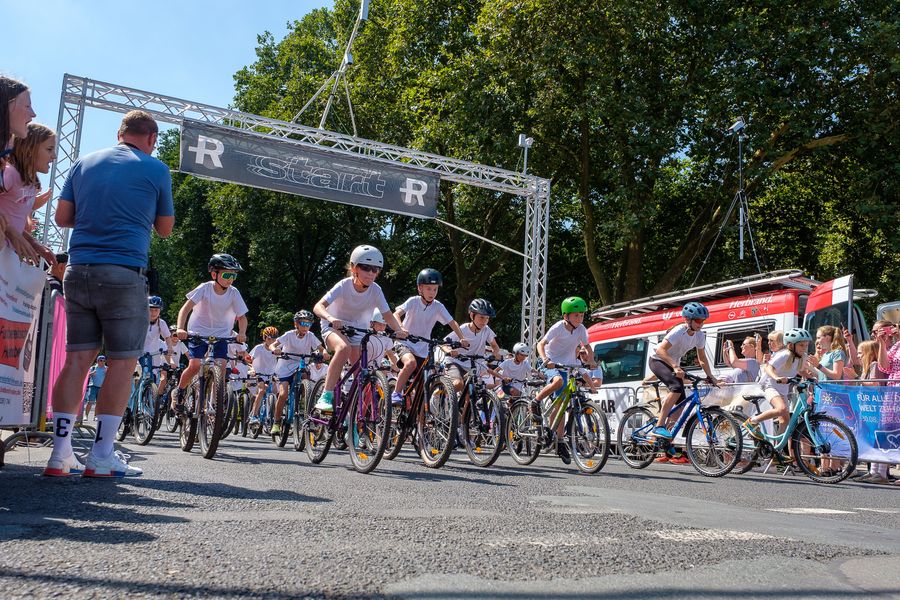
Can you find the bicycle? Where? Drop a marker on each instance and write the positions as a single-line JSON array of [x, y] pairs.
[[139, 417], [164, 400], [429, 410], [482, 417], [239, 404], [294, 411], [263, 422], [814, 438], [586, 427], [365, 407], [204, 403], [712, 436]]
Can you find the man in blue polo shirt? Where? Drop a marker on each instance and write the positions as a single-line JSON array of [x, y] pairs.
[[111, 200]]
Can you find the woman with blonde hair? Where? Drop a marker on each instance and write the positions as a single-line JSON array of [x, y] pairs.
[[831, 353]]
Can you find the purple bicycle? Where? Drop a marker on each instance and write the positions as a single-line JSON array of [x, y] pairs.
[[362, 414]]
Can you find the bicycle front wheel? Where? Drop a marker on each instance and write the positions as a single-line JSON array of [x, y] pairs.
[[189, 421], [142, 428], [826, 450], [302, 394], [318, 437], [212, 412], [714, 442], [522, 433], [482, 428], [589, 438], [230, 416], [438, 418], [124, 425], [636, 448], [370, 423]]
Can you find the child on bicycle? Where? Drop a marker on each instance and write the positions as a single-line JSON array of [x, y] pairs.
[[514, 371], [351, 302], [479, 337], [785, 364], [157, 332], [419, 314], [380, 348], [564, 344], [213, 307], [665, 362], [299, 341], [264, 361], [96, 375]]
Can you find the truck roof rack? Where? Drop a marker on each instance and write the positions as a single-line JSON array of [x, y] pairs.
[[751, 284]]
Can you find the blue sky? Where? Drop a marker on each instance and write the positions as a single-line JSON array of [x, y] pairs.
[[189, 49]]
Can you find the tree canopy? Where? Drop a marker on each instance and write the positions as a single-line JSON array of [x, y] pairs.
[[627, 102]]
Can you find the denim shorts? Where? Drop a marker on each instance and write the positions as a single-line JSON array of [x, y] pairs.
[[197, 349], [106, 305]]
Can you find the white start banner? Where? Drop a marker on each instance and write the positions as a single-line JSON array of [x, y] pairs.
[[21, 286]]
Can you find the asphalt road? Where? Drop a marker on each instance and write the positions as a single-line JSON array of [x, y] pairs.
[[263, 522]]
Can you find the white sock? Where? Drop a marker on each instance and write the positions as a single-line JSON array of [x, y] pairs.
[[63, 423], [106, 435]]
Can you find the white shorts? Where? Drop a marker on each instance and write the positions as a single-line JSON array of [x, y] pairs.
[[774, 392]]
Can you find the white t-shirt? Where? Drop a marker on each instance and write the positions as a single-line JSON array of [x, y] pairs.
[[214, 315], [682, 342], [155, 332], [233, 349], [478, 341], [783, 366], [263, 360], [293, 344], [377, 347], [317, 371], [509, 368], [178, 350], [419, 319], [560, 345], [352, 307]]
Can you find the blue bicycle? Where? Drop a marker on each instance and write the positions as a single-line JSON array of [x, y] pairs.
[[713, 439], [263, 422], [293, 414], [140, 414]]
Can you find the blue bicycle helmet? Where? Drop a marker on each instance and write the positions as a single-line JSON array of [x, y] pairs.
[[694, 310], [154, 302], [797, 335]]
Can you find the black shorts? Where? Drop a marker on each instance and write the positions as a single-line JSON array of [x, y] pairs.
[[666, 374]]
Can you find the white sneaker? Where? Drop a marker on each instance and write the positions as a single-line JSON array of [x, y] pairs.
[[63, 467], [114, 465], [325, 404]]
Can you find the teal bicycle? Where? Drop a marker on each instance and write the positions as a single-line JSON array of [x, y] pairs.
[[821, 446]]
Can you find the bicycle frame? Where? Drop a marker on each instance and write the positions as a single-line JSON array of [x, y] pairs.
[[802, 410]]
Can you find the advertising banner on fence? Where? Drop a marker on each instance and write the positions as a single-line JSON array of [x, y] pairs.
[[285, 165], [21, 286], [873, 413]]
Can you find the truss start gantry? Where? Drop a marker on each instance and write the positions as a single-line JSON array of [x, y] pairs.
[[79, 93]]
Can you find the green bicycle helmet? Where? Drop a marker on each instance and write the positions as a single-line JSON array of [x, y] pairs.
[[573, 304]]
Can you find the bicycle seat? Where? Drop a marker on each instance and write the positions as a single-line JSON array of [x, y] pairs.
[[754, 397]]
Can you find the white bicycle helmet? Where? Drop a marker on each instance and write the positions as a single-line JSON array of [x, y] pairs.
[[521, 348], [367, 255], [377, 317]]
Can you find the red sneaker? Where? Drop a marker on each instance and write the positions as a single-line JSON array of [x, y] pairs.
[[662, 459], [680, 460]]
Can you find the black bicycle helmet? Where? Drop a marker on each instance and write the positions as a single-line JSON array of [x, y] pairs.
[[482, 307], [429, 276], [224, 262], [303, 315]]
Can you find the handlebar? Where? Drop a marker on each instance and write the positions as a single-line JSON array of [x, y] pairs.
[[198, 339], [314, 357]]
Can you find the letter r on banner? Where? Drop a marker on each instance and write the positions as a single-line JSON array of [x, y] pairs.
[[413, 191], [208, 147]]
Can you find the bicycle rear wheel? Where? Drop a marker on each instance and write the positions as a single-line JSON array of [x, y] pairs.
[[282, 438], [636, 448], [482, 428], [189, 421], [714, 442], [142, 428], [125, 424], [589, 438], [749, 451], [826, 451], [230, 416], [370, 423], [212, 412], [318, 437], [522, 433], [437, 422]]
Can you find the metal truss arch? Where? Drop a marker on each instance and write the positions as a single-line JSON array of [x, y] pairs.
[[79, 93]]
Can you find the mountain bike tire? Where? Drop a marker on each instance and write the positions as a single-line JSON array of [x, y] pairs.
[[437, 422], [636, 451], [212, 413], [839, 446]]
